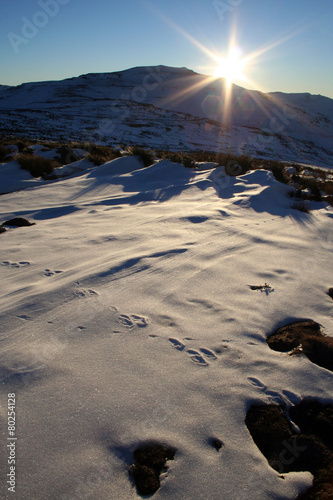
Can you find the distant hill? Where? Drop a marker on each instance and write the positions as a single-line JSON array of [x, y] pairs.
[[172, 108]]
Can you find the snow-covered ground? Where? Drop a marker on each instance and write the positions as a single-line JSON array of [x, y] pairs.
[[126, 316]]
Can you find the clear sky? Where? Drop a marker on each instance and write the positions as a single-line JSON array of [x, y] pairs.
[[56, 39]]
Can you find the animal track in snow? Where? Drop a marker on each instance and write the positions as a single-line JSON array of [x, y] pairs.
[[25, 317], [132, 320], [139, 321], [83, 293], [209, 354], [48, 272], [15, 264], [177, 344], [273, 396], [200, 357]]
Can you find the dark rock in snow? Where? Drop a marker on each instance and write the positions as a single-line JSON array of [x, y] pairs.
[[18, 222]]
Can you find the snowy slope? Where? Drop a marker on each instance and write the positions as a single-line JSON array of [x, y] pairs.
[[172, 108], [126, 315]]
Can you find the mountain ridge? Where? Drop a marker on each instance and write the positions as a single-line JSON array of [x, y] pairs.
[[172, 108]]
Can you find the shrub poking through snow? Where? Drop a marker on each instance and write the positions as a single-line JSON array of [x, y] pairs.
[[302, 206], [330, 292], [36, 165], [279, 172], [311, 450], [150, 461], [145, 156], [66, 155], [298, 194], [177, 157], [23, 145], [304, 337], [101, 154]]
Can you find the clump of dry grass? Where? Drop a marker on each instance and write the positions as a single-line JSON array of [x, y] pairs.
[[301, 206], [66, 155], [235, 164], [101, 154], [177, 157], [279, 171], [145, 156], [36, 165]]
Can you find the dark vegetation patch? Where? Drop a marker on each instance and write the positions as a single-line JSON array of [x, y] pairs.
[[286, 451], [18, 222], [315, 180], [279, 172], [2, 229], [304, 337], [145, 156], [299, 194], [66, 155], [311, 183], [36, 165], [150, 462], [235, 164], [4, 152], [328, 187], [302, 206], [101, 154], [330, 292], [177, 157]]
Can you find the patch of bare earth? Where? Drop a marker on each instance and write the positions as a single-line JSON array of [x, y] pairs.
[[286, 451], [304, 337]]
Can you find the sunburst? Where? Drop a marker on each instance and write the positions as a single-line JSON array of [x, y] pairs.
[[232, 67]]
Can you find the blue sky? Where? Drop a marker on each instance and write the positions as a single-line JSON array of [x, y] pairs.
[[56, 39]]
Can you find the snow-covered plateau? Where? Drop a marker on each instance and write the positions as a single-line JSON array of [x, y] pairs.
[[137, 307]]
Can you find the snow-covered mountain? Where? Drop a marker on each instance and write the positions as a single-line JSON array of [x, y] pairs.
[[172, 108]]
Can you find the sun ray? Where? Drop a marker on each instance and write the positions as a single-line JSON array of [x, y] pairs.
[[231, 67], [183, 94]]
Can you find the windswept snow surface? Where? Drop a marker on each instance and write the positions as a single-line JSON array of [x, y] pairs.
[[126, 316]]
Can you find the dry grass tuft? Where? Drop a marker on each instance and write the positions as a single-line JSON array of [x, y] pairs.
[[37, 166], [302, 206], [144, 155], [101, 154]]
